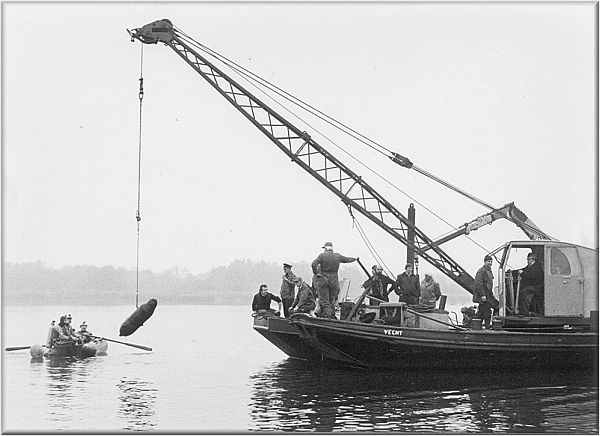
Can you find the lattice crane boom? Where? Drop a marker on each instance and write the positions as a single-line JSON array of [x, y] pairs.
[[302, 149]]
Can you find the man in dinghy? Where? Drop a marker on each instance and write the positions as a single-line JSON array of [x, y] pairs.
[[69, 330], [84, 334], [63, 331]]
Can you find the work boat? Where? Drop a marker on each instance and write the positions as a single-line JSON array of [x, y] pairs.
[[562, 332], [564, 336]]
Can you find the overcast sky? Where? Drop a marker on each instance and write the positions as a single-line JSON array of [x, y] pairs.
[[498, 99]]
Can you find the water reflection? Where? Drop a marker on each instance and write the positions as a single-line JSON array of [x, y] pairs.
[[61, 388], [138, 400], [291, 395]]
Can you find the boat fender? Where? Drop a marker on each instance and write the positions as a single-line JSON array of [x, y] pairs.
[[138, 318], [36, 351]]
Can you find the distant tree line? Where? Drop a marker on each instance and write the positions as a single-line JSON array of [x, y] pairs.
[[32, 283]]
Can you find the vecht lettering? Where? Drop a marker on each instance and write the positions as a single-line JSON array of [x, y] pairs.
[[392, 332]]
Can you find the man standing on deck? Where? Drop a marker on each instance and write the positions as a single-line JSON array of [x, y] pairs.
[[483, 293], [430, 291], [407, 286], [287, 289], [378, 286], [325, 268]]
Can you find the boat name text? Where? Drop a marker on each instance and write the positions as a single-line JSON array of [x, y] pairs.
[[392, 332]]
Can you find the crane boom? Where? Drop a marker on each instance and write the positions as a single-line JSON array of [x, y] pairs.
[[354, 192]]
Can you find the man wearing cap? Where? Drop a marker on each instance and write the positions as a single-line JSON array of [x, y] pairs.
[[70, 331], [325, 269], [407, 286], [63, 330], [305, 299], [483, 293], [287, 289], [83, 333]]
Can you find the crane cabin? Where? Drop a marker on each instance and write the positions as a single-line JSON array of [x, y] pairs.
[[569, 292]]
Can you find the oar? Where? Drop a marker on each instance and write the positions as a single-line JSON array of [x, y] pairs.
[[141, 347], [17, 348]]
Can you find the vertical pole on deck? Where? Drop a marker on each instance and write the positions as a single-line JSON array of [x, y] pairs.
[[410, 247]]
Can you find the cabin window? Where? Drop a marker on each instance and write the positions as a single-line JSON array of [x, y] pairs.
[[563, 261]]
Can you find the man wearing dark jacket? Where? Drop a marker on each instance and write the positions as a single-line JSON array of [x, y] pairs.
[[262, 301], [407, 286], [305, 299], [325, 268], [378, 285], [483, 294], [532, 284]]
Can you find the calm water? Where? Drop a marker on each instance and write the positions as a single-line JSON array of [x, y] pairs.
[[209, 371]]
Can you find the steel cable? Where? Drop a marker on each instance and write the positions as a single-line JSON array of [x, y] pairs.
[[138, 218]]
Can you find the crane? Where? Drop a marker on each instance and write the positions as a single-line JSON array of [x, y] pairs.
[[306, 152]]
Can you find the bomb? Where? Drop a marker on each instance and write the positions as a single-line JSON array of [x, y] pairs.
[[138, 318]]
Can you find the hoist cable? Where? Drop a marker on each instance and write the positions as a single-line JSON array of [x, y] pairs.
[[138, 218], [369, 245], [251, 77]]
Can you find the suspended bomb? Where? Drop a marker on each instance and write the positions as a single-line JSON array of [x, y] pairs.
[[36, 351], [138, 318]]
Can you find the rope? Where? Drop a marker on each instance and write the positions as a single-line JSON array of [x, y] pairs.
[[138, 218], [368, 243]]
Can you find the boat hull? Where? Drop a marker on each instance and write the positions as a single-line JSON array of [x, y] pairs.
[[285, 336], [69, 349], [389, 347]]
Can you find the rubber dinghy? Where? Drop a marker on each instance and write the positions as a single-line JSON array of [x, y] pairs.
[[97, 347]]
